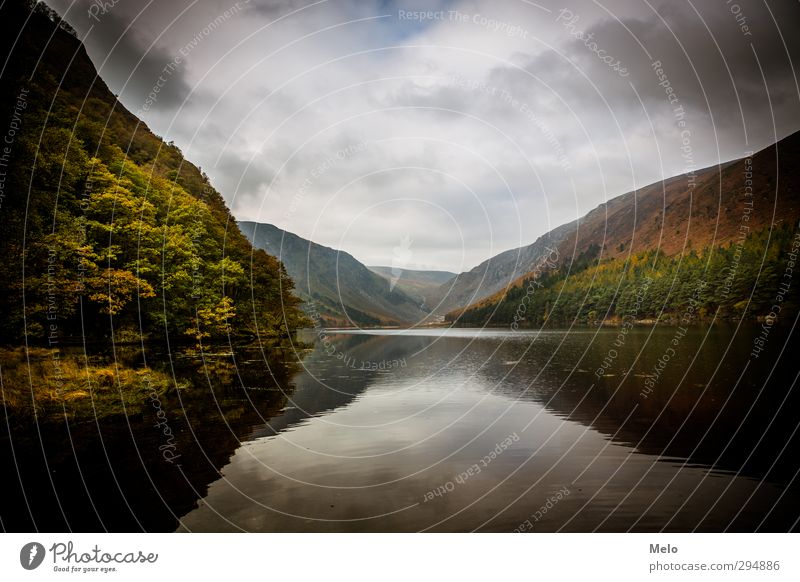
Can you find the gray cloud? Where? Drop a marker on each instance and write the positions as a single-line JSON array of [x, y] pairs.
[[124, 56], [538, 129]]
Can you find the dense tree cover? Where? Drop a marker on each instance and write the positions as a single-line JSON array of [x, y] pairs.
[[744, 279], [103, 223]]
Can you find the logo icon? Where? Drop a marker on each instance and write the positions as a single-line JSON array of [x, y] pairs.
[[401, 255], [31, 555]]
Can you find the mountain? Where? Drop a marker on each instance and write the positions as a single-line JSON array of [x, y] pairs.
[[418, 285], [680, 213], [494, 274], [336, 286], [107, 230], [731, 226], [685, 212]]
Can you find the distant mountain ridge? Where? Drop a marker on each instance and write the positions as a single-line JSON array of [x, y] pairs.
[[494, 274], [420, 285], [335, 286], [677, 215]]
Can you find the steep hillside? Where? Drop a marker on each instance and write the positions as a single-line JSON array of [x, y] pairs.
[[335, 285], [733, 227], [494, 274], [106, 228], [672, 216]]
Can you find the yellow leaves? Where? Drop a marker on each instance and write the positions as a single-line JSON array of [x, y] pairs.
[[213, 321], [218, 316], [101, 179], [113, 289], [118, 206], [229, 271]]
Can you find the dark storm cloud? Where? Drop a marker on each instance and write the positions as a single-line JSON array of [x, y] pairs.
[[717, 67], [124, 56], [712, 59]]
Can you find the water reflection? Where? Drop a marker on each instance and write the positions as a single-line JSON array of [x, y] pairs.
[[112, 475], [711, 430], [399, 431]]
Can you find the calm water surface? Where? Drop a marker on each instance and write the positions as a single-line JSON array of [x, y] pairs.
[[444, 430]]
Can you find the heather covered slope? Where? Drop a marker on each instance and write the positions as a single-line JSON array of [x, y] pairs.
[[683, 213], [730, 230]]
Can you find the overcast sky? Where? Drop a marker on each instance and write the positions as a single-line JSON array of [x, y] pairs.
[[360, 125]]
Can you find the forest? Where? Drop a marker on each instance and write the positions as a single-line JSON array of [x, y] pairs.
[[107, 230], [745, 279]]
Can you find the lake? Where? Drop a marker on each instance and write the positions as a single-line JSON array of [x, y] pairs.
[[656, 429]]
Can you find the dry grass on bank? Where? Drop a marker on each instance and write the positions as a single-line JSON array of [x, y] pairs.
[[55, 385]]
